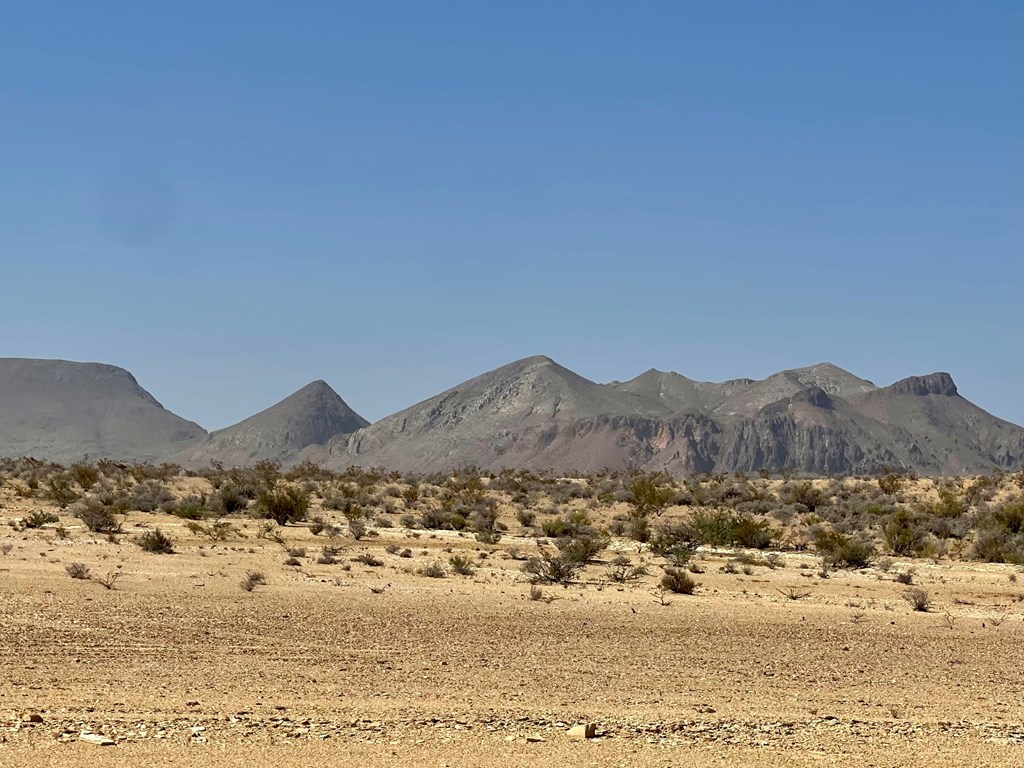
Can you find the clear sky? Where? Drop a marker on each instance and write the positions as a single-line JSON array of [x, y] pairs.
[[233, 199]]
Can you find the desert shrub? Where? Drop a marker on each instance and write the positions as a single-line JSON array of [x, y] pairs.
[[77, 571], [552, 567], [724, 528], [461, 564], [841, 551], [97, 516], [526, 517], [638, 529], [252, 580], [86, 475], [433, 571], [650, 494], [191, 507], [59, 490], [673, 542], [804, 493], [219, 530], [283, 505], [1010, 517], [109, 581], [553, 527], [583, 547], [156, 541], [750, 532], [229, 499], [38, 518], [357, 528], [890, 484], [902, 534], [995, 545], [368, 559], [622, 570], [949, 504], [297, 552], [435, 519], [293, 562], [151, 495], [919, 599], [905, 577], [677, 580], [485, 522]]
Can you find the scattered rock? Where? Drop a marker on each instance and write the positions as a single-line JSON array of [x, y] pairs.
[[585, 731], [31, 717], [97, 739], [533, 738]]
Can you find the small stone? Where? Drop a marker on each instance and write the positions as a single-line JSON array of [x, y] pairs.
[[534, 738], [97, 739], [585, 731], [31, 717]]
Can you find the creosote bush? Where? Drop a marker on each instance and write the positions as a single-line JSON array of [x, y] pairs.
[[462, 564], [156, 541], [78, 571], [97, 516], [677, 580], [919, 599], [287, 504]]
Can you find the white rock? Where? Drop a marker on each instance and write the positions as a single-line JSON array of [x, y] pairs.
[[585, 731], [97, 739]]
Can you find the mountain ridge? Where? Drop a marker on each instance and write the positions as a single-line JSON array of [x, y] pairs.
[[530, 413]]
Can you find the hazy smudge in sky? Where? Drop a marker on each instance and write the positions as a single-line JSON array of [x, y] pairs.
[[135, 204]]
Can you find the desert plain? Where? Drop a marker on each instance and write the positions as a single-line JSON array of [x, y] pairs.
[[358, 663]]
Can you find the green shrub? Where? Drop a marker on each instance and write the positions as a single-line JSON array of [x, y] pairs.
[[678, 580], [433, 571], [650, 495], [919, 599], [78, 571], [902, 534], [97, 516], [191, 507], [59, 490], [39, 518], [622, 570], [156, 541], [462, 564], [841, 551], [287, 504]]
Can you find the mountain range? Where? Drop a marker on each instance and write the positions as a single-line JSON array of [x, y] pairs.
[[532, 413]]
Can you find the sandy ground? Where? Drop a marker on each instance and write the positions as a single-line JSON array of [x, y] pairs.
[[180, 666]]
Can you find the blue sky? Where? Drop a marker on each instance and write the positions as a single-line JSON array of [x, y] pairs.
[[233, 199]]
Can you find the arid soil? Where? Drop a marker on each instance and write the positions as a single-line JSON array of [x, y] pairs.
[[178, 665]]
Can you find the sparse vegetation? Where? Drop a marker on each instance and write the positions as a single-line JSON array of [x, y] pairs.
[[919, 599], [678, 581], [78, 571], [462, 565], [252, 580], [156, 541], [287, 504]]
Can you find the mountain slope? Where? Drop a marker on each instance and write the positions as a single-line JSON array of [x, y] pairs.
[[534, 413], [516, 415], [310, 416], [61, 410]]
